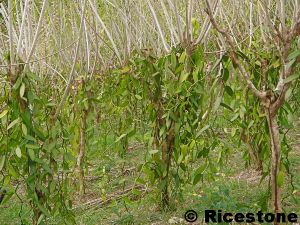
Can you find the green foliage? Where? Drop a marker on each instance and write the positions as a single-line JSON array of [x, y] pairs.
[[31, 150], [188, 118]]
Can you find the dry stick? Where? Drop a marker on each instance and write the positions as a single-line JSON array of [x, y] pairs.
[[125, 17], [56, 72], [36, 34], [151, 40], [7, 16], [295, 12], [127, 47], [270, 23], [125, 41], [10, 35], [56, 37], [87, 46], [106, 31], [282, 15], [207, 25], [28, 35], [231, 30], [40, 59], [189, 28], [115, 31], [170, 24], [128, 33], [22, 26], [250, 21], [27, 38], [17, 14], [158, 27], [98, 54], [259, 10], [99, 36], [71, 77], [177, 20]]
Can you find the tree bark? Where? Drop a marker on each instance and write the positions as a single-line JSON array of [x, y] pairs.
[[81, 155], [275, 160], [165, 193], [167, 150]]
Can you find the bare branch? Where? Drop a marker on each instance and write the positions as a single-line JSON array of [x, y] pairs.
[[36, 34], [233, 55], [10, 32], [178, 21], [22, 26], [158, 27], [207, 25], [106, 31], [71, 76]]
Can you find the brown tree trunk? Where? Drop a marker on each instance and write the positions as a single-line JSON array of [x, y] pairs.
[[167, 150], [275, 161], [81, 155], [171, 140], [166, 145], [163, 144], [165, 157]]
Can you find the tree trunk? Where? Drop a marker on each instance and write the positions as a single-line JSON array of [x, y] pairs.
[[81, 155], [167, 150], [165, 157], [275, 161]]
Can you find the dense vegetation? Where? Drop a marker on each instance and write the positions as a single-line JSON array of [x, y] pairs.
[[132, 112]]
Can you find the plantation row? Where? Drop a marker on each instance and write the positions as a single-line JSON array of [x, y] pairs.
[[175, 100], [188, 107]]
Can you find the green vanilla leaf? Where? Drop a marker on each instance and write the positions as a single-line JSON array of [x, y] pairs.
[[291, 78], [152, 152], [202, 130], [31, 154], [119, 138], [225, 74], [183, 77], [22, 90], [13, 123], [294, 54], [24, 129], [280, 178], [229, 91], [2, 162], [18, 152], [3, 113], [138, 97], [226, 106]]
